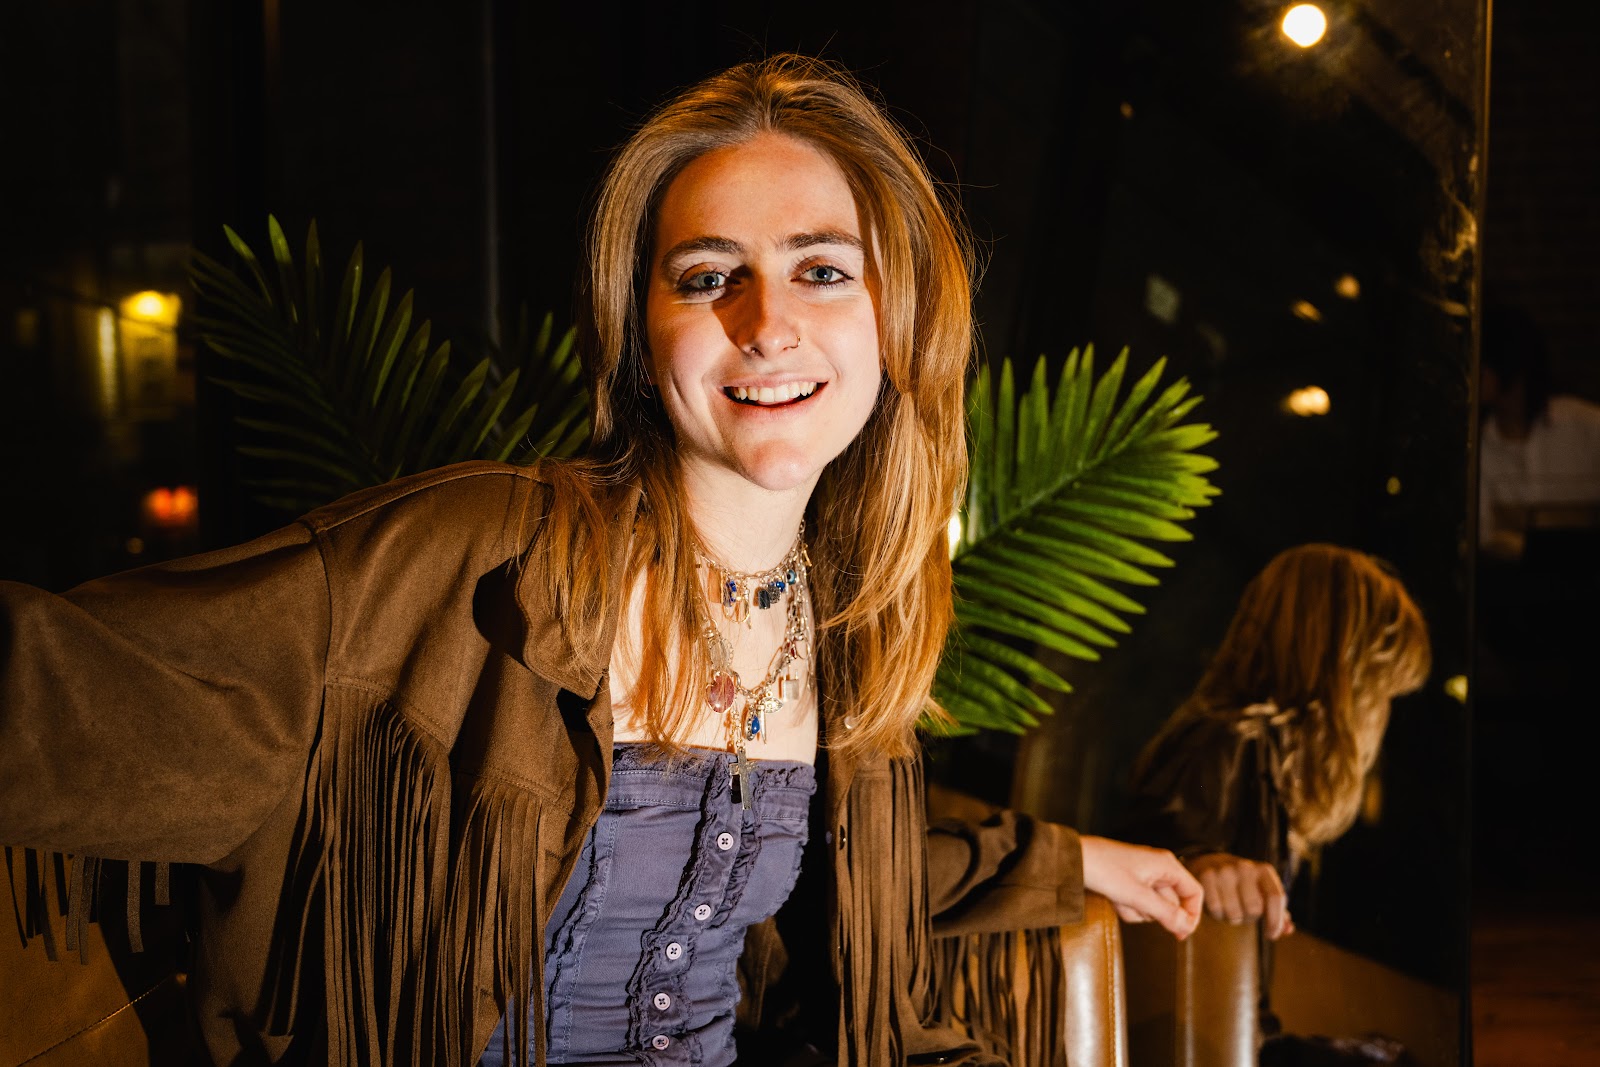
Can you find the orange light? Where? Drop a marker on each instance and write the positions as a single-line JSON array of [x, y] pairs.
[[1348, 286], [172, 508], [1305, 309], [1310, 400]]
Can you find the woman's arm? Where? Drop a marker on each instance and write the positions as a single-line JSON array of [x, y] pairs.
[[161, 713]]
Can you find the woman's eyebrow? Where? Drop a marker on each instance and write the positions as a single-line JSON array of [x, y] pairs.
[[797, 241], [725, 245]]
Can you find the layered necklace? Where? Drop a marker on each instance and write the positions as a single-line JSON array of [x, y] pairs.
[[746, 710]]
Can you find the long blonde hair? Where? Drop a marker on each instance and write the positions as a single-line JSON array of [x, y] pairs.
[[1321, 642], [877, 521]]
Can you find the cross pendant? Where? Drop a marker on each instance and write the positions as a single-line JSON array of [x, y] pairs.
[[741, 778]]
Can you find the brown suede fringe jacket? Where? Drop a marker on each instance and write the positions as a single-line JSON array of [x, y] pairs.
[[370, 737]]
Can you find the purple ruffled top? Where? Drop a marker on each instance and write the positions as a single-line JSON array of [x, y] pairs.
[[641, 951]]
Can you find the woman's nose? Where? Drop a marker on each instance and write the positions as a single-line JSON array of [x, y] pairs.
[[769, 321]]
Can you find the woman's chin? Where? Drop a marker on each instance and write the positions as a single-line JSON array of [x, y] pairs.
[[782, 468]]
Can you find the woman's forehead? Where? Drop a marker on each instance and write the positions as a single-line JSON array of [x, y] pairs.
[[768, 191]]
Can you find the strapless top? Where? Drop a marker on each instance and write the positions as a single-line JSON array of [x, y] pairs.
[[641, 950]]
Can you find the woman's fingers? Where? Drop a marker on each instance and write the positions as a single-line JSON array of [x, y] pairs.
[[1239, 890], [1144, 884]]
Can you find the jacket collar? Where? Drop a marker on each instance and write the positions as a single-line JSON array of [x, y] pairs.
[[577, 661]]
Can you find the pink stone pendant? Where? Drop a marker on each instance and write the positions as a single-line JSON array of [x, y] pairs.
[[720, 692]]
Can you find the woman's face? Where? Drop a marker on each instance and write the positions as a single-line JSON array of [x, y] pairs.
[[762, 329]]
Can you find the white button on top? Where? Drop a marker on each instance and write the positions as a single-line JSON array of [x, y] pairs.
[[674, 950], [724, 841], [663, 1002], [661, 1041], [702, 912]]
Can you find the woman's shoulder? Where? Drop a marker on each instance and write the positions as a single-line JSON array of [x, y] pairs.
[[445, 495]]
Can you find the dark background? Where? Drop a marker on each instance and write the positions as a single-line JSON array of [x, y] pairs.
[[1102, 151]]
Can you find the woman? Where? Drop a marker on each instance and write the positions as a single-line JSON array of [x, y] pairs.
[[1267, 758], [412, 742]]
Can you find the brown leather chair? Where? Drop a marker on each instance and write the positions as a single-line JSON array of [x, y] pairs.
[[96, 1003], [1041, 998], [1192, 1003]]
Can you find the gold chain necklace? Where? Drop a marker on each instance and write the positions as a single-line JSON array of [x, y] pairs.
[[745, 710]]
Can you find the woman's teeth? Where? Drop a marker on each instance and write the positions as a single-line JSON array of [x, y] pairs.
[[776, 394]]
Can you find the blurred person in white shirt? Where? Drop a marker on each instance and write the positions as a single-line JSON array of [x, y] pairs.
[[1539, 452]]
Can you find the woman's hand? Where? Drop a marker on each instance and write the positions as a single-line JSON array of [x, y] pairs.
[[1240, 890], [1143, 884]]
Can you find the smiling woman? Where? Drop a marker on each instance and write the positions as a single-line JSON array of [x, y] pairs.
[[522, 763], [762, 297]]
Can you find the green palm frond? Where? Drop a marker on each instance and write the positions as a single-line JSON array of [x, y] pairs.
[[343, 391], [1067, 487]]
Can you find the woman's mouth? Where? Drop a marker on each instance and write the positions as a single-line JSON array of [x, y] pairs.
[[774, 395]]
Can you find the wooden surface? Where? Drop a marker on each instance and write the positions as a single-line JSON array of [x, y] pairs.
[[1319, 988], [1536, 984]]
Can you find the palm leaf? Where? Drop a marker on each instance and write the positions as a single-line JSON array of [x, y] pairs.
[[342, 388], [1068, 486]]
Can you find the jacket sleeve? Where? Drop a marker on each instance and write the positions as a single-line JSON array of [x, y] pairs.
[[162, 713], [991, 870]]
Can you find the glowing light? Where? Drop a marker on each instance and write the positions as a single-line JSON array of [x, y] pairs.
[[954, 531], [106, 350], [1304, 24], [1348, 287], [1372, 801], [1392, 486], [135, 546], [1307, 401], [1456, 687], [27, 327], [1305, 309], [151, 306], [175, 507], [1162, 299], [1126, 109]]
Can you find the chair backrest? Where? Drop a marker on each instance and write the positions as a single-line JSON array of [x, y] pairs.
[[1096, 1006], [1193, 1003]]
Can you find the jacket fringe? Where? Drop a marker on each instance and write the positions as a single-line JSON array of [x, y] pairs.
[[1005, 991], [451, 881], [78, 892], [884, 818]]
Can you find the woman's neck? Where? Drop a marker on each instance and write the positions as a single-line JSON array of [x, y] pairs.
[[742, 525]]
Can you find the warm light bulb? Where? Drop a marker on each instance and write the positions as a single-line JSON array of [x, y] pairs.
[[1305, 309], [149, 305], [1304, 24], [1311, 400], [1392, 486], [1348, 287], [1456, 687]]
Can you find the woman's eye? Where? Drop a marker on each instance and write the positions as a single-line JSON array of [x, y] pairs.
[[822, 274], [707, 281]]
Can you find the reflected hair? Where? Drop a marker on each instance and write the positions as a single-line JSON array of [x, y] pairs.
[[877, 521], [1321, 642]]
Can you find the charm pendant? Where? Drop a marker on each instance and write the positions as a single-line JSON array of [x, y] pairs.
[[741, 780], [721, 691]]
